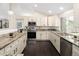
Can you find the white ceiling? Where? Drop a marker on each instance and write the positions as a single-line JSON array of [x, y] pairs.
[[43, 8]]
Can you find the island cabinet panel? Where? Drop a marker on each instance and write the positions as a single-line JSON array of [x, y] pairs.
[[75, 50], [65, 47], [55, 41]]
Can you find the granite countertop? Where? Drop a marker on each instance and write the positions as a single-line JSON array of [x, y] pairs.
[[6, 40], [68, 37]]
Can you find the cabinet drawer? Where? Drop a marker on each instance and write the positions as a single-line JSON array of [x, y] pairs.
[[2, 52], [75, 50], [8, 50]]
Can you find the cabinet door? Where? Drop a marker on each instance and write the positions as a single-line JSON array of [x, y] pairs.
[[12, 46], [43, 35], [2, 52], [52, 38], [75, 50], [21, 43], [65, 47], [49, 36], [58, 44], [55, 41], [38, 33], [8, 50]]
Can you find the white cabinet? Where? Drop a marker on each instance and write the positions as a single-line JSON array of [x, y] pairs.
[[55, 41], [38, 35], [58, 44], [42, 35], [15, 47], [11, 49], [2, 53], [8, 50], [75, 50], [22, 43]]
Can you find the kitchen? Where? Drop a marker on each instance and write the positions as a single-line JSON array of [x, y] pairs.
[[39, 29]]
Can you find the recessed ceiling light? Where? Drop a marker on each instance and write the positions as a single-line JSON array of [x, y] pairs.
[[50, 11], [61, 8], [71, 18], [10, 12], [26, 14], [35, 5]]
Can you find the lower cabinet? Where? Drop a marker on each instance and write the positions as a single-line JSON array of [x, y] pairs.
[[2, 52], [58, 44], [55, 41], [42, 35], [75, 50], [8, 50], [15, 47], [65, 47]]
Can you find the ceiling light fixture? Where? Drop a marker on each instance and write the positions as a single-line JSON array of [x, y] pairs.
[[49, 11], [10, 12], [26, 14], [61, 8], [35, 5], [71, 18]]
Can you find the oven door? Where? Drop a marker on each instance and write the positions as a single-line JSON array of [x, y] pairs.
[[31, 35]]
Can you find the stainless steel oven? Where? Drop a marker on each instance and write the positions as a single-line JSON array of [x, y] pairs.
[[31, 32]]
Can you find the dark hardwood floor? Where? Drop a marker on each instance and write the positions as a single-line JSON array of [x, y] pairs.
[[40, 48]]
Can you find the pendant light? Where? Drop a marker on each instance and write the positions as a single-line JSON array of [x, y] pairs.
[[10, 12]]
